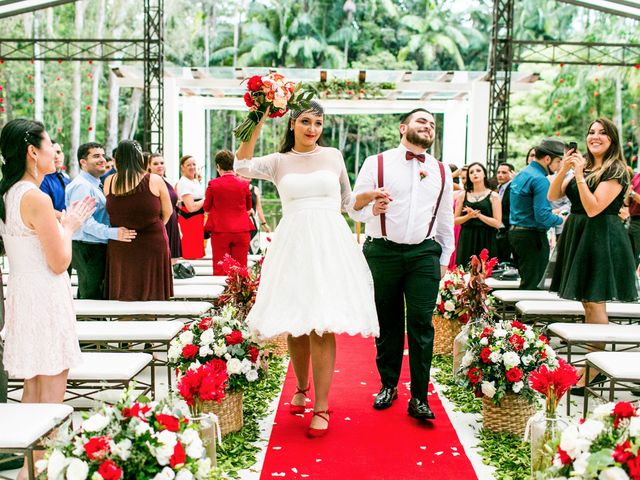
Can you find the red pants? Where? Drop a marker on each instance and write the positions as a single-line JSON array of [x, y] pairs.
[[234, 244]]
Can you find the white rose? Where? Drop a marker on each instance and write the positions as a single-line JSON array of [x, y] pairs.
[[484, 341], [246, 366], [77, 469], [234, 366], [175, 350], [226, 330], [55, 467], [122, 449], [141, 428], [613, 473], [194, 365], [488, 389], [186, 337], [205, 351], [580, 464], [163, 452], [467, 359], [603, 411], [572, 442], [166, 474], [252, 375], [510, 360], [590, 429], [96, 476], [516, 387], [219, 350], [499, 333], [551, 353], [95, 423], [634, 427], [527, 359], [189, 436], [529, 335], [204, 468], [495, 357], [449, 306], [207, 336]]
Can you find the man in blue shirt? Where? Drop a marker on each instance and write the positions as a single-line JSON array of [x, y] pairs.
[[530, 214], [89, 245], [55, 183]]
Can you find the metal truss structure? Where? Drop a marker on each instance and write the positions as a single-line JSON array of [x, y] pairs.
[[148, 50]]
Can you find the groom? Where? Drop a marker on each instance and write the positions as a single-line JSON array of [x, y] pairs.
[[408, 247]]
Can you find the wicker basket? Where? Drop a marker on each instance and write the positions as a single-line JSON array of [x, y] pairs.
[[445, 333], [229, 412], [278, 345], [510, 416]]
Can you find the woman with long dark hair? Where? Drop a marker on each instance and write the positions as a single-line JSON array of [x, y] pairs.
[[40, 339], [594, 235], [136, 199], [191, 214], [315, 280]]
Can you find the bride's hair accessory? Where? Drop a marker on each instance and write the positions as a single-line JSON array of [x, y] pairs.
[[314, 107]]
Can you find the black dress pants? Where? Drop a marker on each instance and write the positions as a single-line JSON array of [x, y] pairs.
[[531, 253], [89, 261], [404, 273]]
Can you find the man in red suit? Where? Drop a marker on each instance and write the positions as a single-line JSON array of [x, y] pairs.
[[228, 201]]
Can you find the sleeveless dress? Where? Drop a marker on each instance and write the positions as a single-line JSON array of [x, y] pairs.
[[594, 258], [40, 321], [173, 230], [139, 270], [475, 234], [314, 276], [191, 223]]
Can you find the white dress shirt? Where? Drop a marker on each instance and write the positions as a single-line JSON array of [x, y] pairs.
[[414, 200]]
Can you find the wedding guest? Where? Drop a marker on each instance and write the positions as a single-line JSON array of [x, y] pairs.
[[156, 165], [89, 244], [191, 214], [136, 199], [40, 341], [479, 215], [55, 183], [634, 213], [315, 281], [531, 156], [504, 175], [227, 202], [458, 196], [593, 234], [530, 214], [110, 166], [408, 251]]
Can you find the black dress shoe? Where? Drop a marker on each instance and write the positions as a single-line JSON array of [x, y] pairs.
[[385, 398], [420, 409]]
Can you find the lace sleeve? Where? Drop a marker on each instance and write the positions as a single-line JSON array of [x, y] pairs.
[[348, 197], [263, 168]]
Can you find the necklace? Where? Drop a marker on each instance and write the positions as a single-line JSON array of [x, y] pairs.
[[476, 197], [305, 153]]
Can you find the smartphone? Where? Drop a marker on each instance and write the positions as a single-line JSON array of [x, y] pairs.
[[573, 146]]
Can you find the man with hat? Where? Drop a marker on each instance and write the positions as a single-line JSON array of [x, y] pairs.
[[531, 216]]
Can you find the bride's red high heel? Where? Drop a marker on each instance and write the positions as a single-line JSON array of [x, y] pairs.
[[319, 432], [299, 409]]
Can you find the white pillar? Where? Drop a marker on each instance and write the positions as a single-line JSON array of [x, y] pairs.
[[171, 147], [478, 124], [454, 134], [193, 131]]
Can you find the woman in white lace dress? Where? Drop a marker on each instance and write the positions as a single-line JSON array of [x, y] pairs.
[[315, 281], [39, 333]]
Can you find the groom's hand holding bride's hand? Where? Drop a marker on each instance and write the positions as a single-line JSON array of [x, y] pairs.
[[382, 200]]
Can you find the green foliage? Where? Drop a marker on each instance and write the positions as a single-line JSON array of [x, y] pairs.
[[462, 397], [508, 453]]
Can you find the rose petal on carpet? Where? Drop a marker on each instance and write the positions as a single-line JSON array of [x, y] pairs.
[[363, 443]]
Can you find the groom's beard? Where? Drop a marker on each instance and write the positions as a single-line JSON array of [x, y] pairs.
[[417, 139]]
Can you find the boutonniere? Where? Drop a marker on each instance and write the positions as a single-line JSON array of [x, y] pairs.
[[423, 174]]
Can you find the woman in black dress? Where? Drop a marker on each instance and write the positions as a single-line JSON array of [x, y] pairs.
[[479, 214], [156, 165], [595, 262]]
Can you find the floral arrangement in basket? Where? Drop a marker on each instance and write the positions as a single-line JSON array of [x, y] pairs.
[[224, 337], [274, 92], [474, 297], [604, 446], [499, 359], [128, 440], [241, 286], [448, 305], [206, 382]]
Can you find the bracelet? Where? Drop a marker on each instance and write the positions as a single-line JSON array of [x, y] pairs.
[[581, 181], [263, 223]]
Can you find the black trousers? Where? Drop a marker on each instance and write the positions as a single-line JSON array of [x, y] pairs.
[[504, 247], [531, 253], [634, 236], [89, 260], [404, 273]]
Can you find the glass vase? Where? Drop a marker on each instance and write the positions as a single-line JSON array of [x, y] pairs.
[[543, 431], [209, 433], [462, 339]]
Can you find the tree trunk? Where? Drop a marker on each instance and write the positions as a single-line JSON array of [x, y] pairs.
[[113, 97], [617, 116], [77, 98], [96, 72], [357, 162], [131, 120], [38, 95]]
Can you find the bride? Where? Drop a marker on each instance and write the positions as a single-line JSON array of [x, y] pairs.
[[315, 281]]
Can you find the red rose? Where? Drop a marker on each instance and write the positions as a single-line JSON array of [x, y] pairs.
[[485, 353], [109, 470], [623, 410], [205, 323], [517, 324], [136, 410], [278, 113], [189, 351], [248, 100], [487, 332], [448, 284], [255, 83], [97, 447], [178, 457], [474, 375], [622, 452], [168, 422], [441, 307], [633, 464], [517, 342], [514, 375], [234, 338], [565, 459], [464, 318], [253, 354], [543, 339]]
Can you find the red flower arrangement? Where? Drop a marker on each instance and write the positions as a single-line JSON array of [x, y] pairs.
[[207, 382], [241, 286], [553, 383]]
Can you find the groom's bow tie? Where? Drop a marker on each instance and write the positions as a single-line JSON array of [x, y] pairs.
[[418, 156]]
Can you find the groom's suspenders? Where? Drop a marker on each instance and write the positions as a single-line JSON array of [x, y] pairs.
[[383, 220]]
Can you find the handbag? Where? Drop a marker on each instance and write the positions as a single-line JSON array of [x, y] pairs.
[[182, 270]]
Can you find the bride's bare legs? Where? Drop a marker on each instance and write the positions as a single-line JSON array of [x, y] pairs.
[[42, 389], [323, 359], [300, 352]]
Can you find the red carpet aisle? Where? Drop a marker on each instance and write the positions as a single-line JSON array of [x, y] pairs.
[[364, 444]]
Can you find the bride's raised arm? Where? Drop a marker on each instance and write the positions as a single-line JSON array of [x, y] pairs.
[[245, 164]]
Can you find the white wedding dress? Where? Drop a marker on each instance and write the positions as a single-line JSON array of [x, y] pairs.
[[40, 322], [314, 276]]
